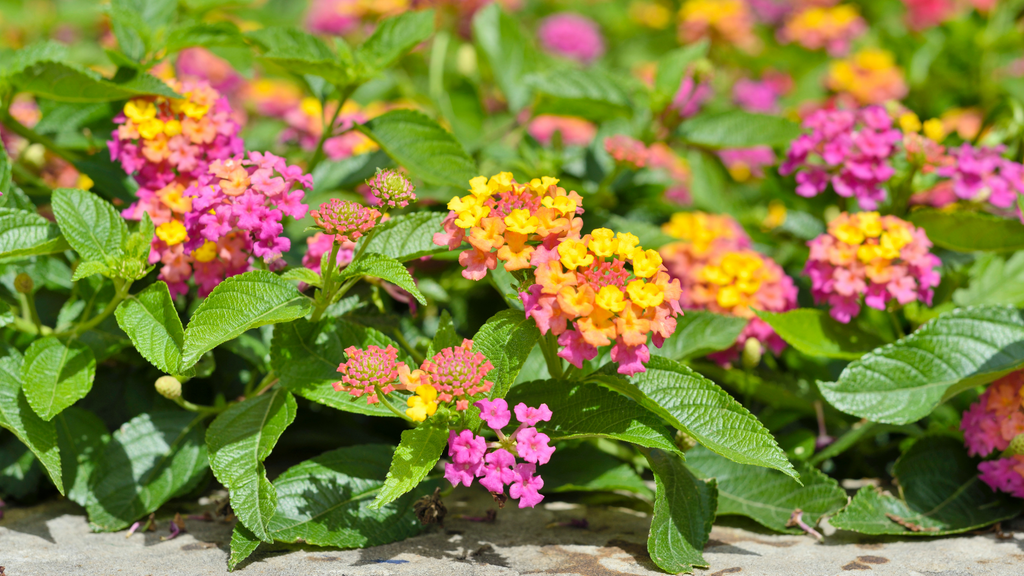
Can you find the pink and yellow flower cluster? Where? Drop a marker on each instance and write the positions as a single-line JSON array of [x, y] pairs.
[[729, 21], [992, 424], [870, 77], [874, 258], [520, 225], [828, 27], [719, 272]]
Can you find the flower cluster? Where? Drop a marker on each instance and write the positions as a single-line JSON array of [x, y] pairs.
[[572, 36], [341, 17], [626, 150], [817, 27], [495, 463], [869, 76], [391, 188], [161, 139], [690, 96], [991, 424], [761, 95], [981, 173], [346, 220], [730, 21], [718, 272], [849, 149], [585, 295], [456, 374], [879, 258], [502, 220], [368, 372], [922, 14], [575, 131], [746, 163], [248, 194]]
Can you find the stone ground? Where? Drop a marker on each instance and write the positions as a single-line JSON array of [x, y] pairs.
[[54, 539]]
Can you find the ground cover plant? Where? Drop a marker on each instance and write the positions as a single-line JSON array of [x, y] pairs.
[[702, 258]]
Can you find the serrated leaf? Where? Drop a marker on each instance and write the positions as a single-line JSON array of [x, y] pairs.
[[422, 147], [243, 544], [672, 69], [17, 416], [699, 333], [303, 274], [942, 494], [152, 458], [385, 268], [584, 410], [738, 129], [56, 374], [684, 510], [305, 356], [970, 231], [815, 333], [415, 457], [24, 233], [509, 50], [81, 436], [302, 53], [151, 321], [902, 382], [764, 495], [590, 93], [585, 468], [206, 34], [994, 280], [326, 501], [239, 440], [392, 38], [6, 168], [445, 337], [238, 304], [506, 340], [408, 236], [89, 268], [698, 407], [91, 225]]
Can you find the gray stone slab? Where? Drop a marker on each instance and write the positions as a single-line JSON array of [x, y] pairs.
[[54, 539]]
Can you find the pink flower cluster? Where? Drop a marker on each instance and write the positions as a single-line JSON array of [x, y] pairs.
[[572, 36], [249, 194], [879, 258], [368, 370], [496, 463], [457, 374], [391, 188], [991, 424], [690, 96], [746, 163], [319, 244], [575, 131], [626, 150], [848, 149], [346, 220], [922, 14], [983, 174], [761, 96]]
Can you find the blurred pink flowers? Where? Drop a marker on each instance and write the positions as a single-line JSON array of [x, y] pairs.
[[572, 36]]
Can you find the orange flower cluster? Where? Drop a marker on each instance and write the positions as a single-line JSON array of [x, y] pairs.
[[870, 76], [518, 224]]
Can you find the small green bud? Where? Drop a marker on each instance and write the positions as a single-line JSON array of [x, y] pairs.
[[23, 283], [169, 387], [752, 351]]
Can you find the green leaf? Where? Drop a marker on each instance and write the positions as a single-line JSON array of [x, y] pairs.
[[509, 50], [902, 382], [88, 268], [301, 53], [970, 231], [698, 407], [243, 544], [699, 333], [81, 436], [385, 268], [151, 321], [942, 494], [153, 457], [738, 129], [994, 280], [240, 439], [91, 225], [764, 495], [672, 69], [238, 304], [445, 337], [392, 38], [506, 340], [206, 34], [6, 167], [327, 501], [421, 146], [408, 236], [584, 410], [684, 509], [24, 233], [303, 274], [815, 333], [56, 374], [17, 416], [415, 457], [590, 93], [585, 468]]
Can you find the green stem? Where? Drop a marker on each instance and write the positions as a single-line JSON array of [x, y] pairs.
[[416, 356], [270, 378], [23, 325], [324, 299], [30, 303], [549, 346], [32, 136], [328, 131], [122, 292], [197, 408], [384, 400], [896, 325]]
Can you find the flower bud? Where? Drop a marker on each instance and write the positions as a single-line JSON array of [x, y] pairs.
[[465, 60], [169, 387], [391, 188], [23, 283], [752, 351]]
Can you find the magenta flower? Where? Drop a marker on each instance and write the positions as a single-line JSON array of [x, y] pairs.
[[531, 416], [572, 36], [462, 473], [983, 174], [367, 370], [498, 471], [533, 446], [494, 412], [1004, 474], [526, 487], [466, 447]]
